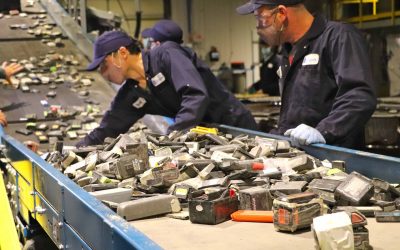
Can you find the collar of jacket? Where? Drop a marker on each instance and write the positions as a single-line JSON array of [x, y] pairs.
[[146, 61], [317, 28]]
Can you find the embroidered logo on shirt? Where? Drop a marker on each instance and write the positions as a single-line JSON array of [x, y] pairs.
[[140, 102], [158, 79], [311, 59]]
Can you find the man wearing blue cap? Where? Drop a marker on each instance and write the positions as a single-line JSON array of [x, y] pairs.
[[162, 31], [325, 74], [167, 81]]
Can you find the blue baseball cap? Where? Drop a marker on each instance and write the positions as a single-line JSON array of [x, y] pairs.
[[146, 33], [107, 43], [253, 5], [164, 30]]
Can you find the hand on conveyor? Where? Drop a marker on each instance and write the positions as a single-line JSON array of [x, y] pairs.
[[11, 69], [3, 119], [305, 135]]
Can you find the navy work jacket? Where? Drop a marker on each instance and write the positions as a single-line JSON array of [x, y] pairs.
[[329, 84], [179, 85]]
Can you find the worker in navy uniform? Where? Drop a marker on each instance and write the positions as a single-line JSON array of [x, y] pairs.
[[166, 80], [325, 75], [269, 80], [162, 31]]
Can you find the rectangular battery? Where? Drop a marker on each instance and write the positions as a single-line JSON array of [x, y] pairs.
[[146, 207], [293, 216], [211, 210], [255, 198], [325, 185], [128, 166], [355, 190], [388, 216], [116, 195], [292, 187], [361, 238]]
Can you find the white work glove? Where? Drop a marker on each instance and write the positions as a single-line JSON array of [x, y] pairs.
[[305, 135]]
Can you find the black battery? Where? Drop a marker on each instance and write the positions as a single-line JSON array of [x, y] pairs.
[[361, 238], [325, 185], [293, 216], [255, 198], [355, 190], [213, 208], [291, 187]]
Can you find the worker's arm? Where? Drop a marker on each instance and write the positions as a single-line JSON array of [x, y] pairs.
[[187, 81], [125, 110], [355, 100]]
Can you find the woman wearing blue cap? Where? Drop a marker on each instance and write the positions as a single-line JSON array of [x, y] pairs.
[[166, 80], [325, 75]]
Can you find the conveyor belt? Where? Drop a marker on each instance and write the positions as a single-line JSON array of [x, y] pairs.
[[100, 92], [25, 49], [8, 34]]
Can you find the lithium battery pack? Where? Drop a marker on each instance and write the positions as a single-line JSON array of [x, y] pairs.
[[325, 185], [388, 216], [213, 208], [255, 198], [147, 207], [117, 195], [355, 190], [294, 216], [292, 187]]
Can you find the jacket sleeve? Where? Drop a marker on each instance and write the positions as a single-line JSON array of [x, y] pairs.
[[182, 73], [117, 120], [355, 100]]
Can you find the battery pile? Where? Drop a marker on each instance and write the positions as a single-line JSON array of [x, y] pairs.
[[212, 175]]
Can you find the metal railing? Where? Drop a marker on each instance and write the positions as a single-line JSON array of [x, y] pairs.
[[390, 17]]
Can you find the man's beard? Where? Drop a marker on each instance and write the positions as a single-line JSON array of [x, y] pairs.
[[270, 35]]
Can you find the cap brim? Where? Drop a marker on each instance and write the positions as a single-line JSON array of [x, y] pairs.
[[147, 32], [247, 8], [95, 64]]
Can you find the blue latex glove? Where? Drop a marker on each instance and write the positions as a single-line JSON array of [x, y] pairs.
[[305, 135]]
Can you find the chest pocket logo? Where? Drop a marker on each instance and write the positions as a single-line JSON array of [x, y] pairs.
[[158, 79], [311, 59], [140, 102]]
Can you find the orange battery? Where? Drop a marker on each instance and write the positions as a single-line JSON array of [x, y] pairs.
[[253, 216]]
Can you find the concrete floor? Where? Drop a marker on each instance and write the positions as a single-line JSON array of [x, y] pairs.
[[178, 234]]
